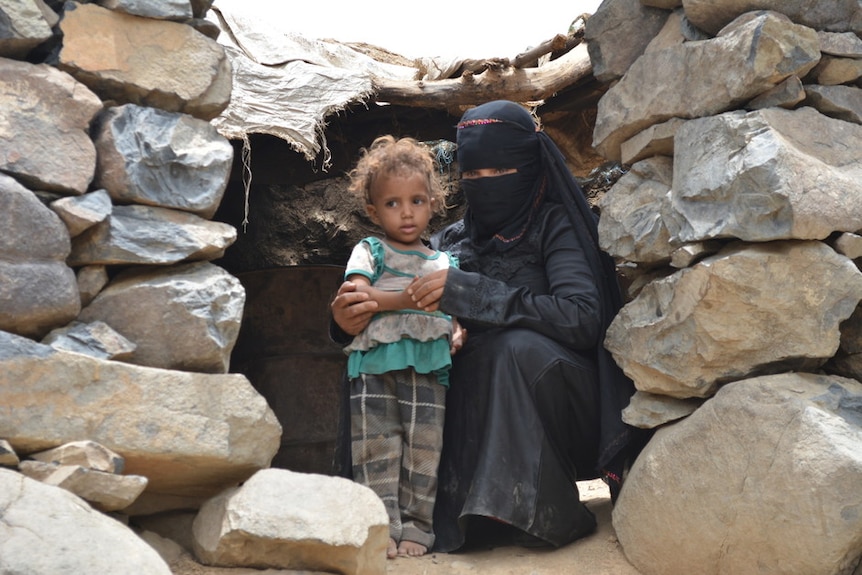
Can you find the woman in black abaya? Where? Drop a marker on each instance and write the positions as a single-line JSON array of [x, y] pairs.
[[535, 400]]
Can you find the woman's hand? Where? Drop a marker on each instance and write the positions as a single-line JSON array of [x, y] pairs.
[[459, 337], [352, 310], [427, 290]]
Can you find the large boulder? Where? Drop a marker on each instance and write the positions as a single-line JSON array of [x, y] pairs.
[[749, 309], [766, 175], [46, 530], [765, 477]]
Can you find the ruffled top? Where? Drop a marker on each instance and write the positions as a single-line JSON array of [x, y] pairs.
[[396, 340]]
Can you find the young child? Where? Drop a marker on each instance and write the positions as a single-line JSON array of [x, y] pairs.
[[399, 365]]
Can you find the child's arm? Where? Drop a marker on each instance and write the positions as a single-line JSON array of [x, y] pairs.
[[386, 300]]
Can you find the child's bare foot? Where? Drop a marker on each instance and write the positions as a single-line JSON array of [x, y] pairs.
[[392, 549], [411, 549]]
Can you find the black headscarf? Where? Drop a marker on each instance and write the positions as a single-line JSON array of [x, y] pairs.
[[496, 135], [502, 134]]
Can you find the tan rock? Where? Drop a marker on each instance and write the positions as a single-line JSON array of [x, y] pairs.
[[833, 71], [8, 457], [115, 55], [188, 433], [656, 140], [104, 491], [84, 453], [91, 280], [764, 475], [286, 520], [37, 517]]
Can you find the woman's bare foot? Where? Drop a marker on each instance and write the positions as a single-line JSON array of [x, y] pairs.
[[411, 549], [392, 549]]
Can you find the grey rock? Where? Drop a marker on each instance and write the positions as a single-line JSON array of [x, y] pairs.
[[766, 175], [712, 16], [651, 410], [631, 226], [82, 212], [149, 156], [185, 317], [617, 33], [158, 9], [22, 27], [96, 339], [137, 234], [45, 145], [751, 56], [723, 319], [840, 102], [787, 94]]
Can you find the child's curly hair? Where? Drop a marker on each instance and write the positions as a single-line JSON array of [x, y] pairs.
[[403, 157]]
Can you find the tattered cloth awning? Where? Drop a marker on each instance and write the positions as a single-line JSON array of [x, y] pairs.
[[286, 85]]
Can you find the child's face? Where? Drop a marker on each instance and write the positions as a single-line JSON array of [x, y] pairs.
[[401, 206]]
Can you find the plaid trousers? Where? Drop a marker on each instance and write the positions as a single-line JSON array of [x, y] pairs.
[[396, 426]]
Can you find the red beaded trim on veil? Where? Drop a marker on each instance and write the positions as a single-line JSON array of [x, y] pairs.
[[478, 122]]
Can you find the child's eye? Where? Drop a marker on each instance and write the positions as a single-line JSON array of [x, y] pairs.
[[418, 201], [391, 204]]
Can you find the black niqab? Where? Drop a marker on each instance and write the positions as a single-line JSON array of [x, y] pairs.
[[502, 134]]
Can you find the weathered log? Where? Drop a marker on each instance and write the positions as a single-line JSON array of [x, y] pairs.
[[520, 85], [559, 43]]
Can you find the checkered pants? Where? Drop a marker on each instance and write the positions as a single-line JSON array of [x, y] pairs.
[[396, 426]]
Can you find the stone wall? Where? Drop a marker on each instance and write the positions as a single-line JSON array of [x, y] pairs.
[[737, 229], [116, 328]]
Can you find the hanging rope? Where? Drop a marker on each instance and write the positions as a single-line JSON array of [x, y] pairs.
[[246, 177]]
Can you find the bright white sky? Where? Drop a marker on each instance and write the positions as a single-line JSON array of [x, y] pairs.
[[458, 29]]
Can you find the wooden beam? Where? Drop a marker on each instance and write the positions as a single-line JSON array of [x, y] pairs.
[[495, 83]]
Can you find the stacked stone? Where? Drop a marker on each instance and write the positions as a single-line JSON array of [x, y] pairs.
[[116, 328], [739, 230]]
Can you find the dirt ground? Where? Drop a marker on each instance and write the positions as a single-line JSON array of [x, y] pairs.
[[597, 554]]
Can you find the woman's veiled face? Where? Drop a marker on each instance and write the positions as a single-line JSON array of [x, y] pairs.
[[487, 173]]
